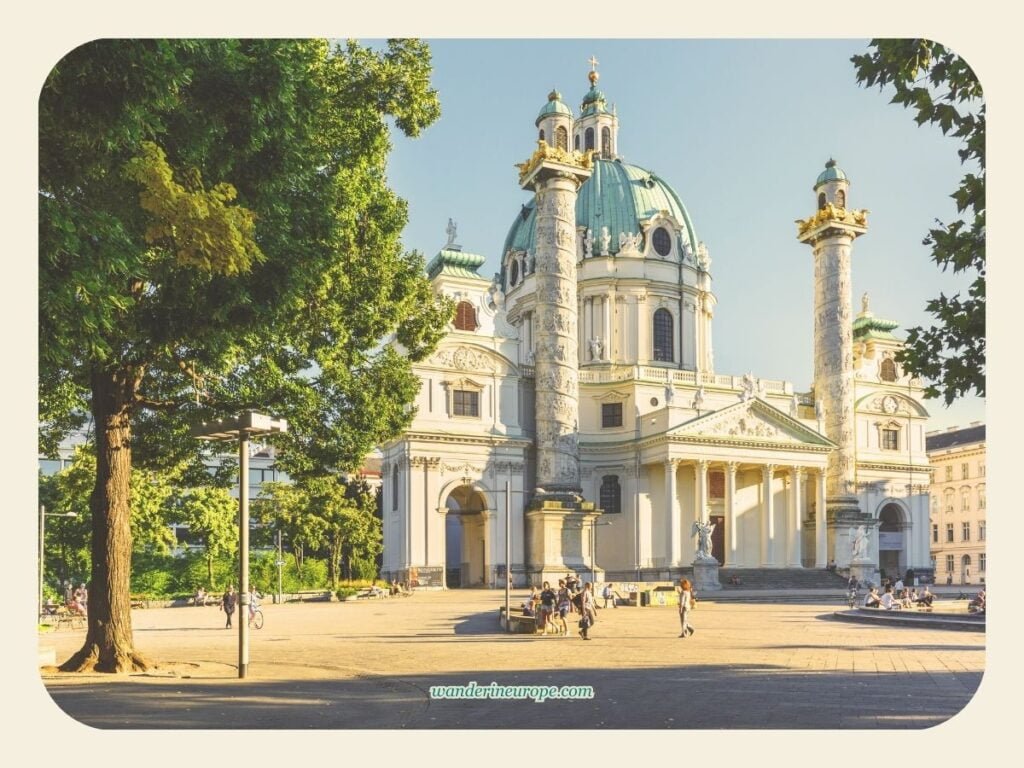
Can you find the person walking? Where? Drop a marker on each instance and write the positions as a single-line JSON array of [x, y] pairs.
[[228, 603], [587, 609], [685, 592]]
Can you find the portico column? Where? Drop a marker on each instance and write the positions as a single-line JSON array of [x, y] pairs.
[[607, 305], [730, 509], [700, 469], [820, 522], [794, 557], [675, 553], [767, 516]]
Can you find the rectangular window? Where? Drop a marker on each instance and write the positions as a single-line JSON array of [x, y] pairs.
[[964, 471], [935, 534], [611, 415], [949, 563], [981, 497], [949, 532], [981, 469], [965, 532], [981, 530], [890, 439], [965, 501], [49, 466], [981, 561], [949, 473], [465, 403]]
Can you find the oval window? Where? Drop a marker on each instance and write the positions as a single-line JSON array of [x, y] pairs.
[[514, 276], [662, 241]]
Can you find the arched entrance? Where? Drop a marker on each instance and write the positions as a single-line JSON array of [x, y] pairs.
[[465, 531], [965, 569], [892, 531]]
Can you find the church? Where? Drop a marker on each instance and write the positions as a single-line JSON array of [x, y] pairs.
[[572, 418]]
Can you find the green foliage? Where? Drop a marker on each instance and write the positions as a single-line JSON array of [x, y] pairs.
[[942, 89]]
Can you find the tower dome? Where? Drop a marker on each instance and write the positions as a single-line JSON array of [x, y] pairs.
[[832, 172], [619, 196], [554, 106]]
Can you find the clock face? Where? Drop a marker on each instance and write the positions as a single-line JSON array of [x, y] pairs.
[[889, 404]]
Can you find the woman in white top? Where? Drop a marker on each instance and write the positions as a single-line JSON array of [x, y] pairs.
[[588, 607], [685, 592]]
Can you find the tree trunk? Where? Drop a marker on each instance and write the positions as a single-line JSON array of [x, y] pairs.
[[109, 645], [334, 551], [209, 570]]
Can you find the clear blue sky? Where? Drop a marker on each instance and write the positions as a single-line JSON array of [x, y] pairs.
[[741, 129]]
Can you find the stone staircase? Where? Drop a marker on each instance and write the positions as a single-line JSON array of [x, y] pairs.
[[781, 579]]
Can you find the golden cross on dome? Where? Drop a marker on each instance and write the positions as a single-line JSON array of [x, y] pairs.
[[593, 63]]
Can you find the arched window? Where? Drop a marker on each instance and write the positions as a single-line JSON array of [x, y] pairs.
[[821, 200], [663, 336], [465, 317], [576, 142], [606, 142], [513, 277], [588, 139], [561, 137], [888, 369], [394, 487], [541, 135], [841, 198], [611, 495]]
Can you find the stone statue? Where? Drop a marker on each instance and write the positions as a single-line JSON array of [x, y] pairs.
[[450, 229], [670, 388], [858, 543], [596, 348], [529, 357], [622, 239], [703, 258], [497, 296], [703, 531], [794, 406], [588, 244], [864, 303], [529, 263], [698, 399], [687, 251], [606, 240], [749, 385]]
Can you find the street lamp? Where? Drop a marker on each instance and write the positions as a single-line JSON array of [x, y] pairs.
[[241, 427], [43, 514]]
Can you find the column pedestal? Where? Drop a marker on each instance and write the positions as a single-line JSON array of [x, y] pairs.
[[705, 575]]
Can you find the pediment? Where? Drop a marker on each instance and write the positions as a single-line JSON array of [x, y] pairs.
[[752, 421], [890, 403], [466, 357]]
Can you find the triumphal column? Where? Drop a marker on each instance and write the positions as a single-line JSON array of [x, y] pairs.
[[559, 521], [831, 232]]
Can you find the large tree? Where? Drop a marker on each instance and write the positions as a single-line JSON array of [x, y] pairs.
[[216, 234], [942, 89]]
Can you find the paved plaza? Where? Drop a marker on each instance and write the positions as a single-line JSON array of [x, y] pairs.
[[371, 664]]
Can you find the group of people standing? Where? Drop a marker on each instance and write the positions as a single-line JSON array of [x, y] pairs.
[[76, 599], [229, 602], [553, 606]]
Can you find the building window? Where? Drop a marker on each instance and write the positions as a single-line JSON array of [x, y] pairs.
[[965, 472], [576, 142], [965, 499], [541, 136], [981, 530], [935, 506], [611, 495], [949, 533], [890, 439], [821, 200], [981, 562], [611, 415], [394, 487], [965, 532], [465, 316], [663, 336], [981, 497], [949, 473], [465, 403], [716, 485], [606, 142], [949, 500], [888, 369], [513, 273], [588, 139], [561, 137], [662, 241], [981, 469], [935, 533], [950, 563]]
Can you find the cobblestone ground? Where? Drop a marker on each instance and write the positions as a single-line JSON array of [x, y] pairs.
[[371, 663]]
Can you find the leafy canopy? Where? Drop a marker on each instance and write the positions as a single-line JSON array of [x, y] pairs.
[[943, 90]]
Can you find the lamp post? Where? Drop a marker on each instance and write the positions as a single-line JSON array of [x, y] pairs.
[[241, 427], [43, 514]]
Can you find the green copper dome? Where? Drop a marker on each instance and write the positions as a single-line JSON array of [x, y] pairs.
[[593, 102], [832, 172], [617, 196], [553, 107]]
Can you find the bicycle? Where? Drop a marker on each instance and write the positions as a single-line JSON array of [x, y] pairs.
[[256, 621]]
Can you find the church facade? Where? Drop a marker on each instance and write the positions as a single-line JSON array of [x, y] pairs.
[[573, 419]]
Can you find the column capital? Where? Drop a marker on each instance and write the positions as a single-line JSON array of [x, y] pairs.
[[768, 469], [799, 472], [702, 463], [672, 463], [731, 467]]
